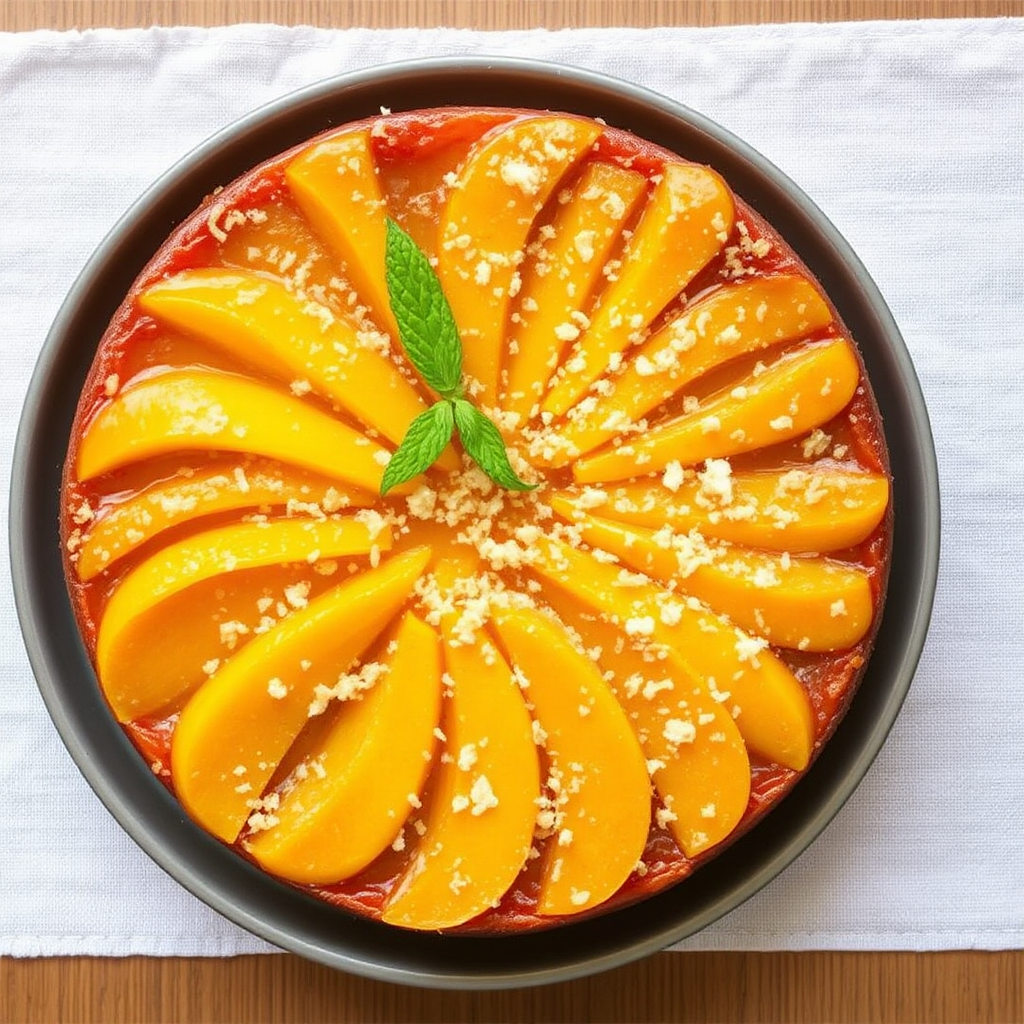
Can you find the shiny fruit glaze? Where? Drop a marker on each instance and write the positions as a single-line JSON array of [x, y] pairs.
[[456, 706]]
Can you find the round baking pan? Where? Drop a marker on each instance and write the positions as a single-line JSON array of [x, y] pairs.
[[281, 914]]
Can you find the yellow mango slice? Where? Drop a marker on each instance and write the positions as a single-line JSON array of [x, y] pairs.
[[774, 713], [171, 649], [732, 321], [505, 182], [810, 604], [685, 223], [790, 397], [119, 529], [263, 324], [335, 184], [603, 786], [197, 411], [695, 753], [559, 276], [352, 795], [126, 623], [237, 726], [482, 804], [282, 245], [817, 509]]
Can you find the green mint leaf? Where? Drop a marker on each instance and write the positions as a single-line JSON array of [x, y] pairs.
[[484, 444], [424, 441], [426, 325], [431, 340]]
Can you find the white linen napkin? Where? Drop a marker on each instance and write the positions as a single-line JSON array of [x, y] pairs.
[[910, 136]]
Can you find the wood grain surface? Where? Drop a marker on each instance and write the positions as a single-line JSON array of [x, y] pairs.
[[19, 15], [950, 987], [682, 987]]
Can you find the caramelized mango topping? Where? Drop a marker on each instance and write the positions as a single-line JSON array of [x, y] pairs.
[[300, 343], [787, 399], [562, 271], [808, 603], [503, 186], [770, 706], [457, 697], [731, 322], [335, 184], [685, 223], [342, 809], [597, 783], [483, 802], [796, 510], [238, 726], [130, 614], [246, 484], [694, 752], [203, 411]]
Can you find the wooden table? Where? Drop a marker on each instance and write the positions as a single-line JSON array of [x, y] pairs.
[[955, 987]]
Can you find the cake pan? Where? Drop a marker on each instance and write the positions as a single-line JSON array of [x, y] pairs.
[[279, 913]]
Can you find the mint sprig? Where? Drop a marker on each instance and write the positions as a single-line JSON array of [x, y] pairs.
[[428, 435], [484, 445], [426, 325], [430, 337]]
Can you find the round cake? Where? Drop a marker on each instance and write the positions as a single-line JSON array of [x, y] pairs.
[[477, 517]]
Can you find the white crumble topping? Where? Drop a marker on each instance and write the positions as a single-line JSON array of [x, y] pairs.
[[482, 796], [677, 731]]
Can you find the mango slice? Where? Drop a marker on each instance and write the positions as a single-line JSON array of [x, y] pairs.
[[790, 397], [351, 796], [237, 726], [817, 509], [483, 800], [282, 245], [505, 182], [562, 267], [695, 753], [772, 710], [335, 184], [122, 528], [191, 410], [125, 623], [170, 650], [301, 343], [685, 223], [593, 757], [732, 321], [810, 604]]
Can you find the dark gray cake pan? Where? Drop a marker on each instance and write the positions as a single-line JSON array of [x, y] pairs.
[[279, 913]]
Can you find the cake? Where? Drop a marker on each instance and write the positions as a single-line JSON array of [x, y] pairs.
[[478, 518]]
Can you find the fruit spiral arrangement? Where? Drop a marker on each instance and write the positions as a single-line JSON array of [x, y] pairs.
[[477, 517]]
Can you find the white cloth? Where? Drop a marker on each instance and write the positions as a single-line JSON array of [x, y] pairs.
[[910, 136]]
